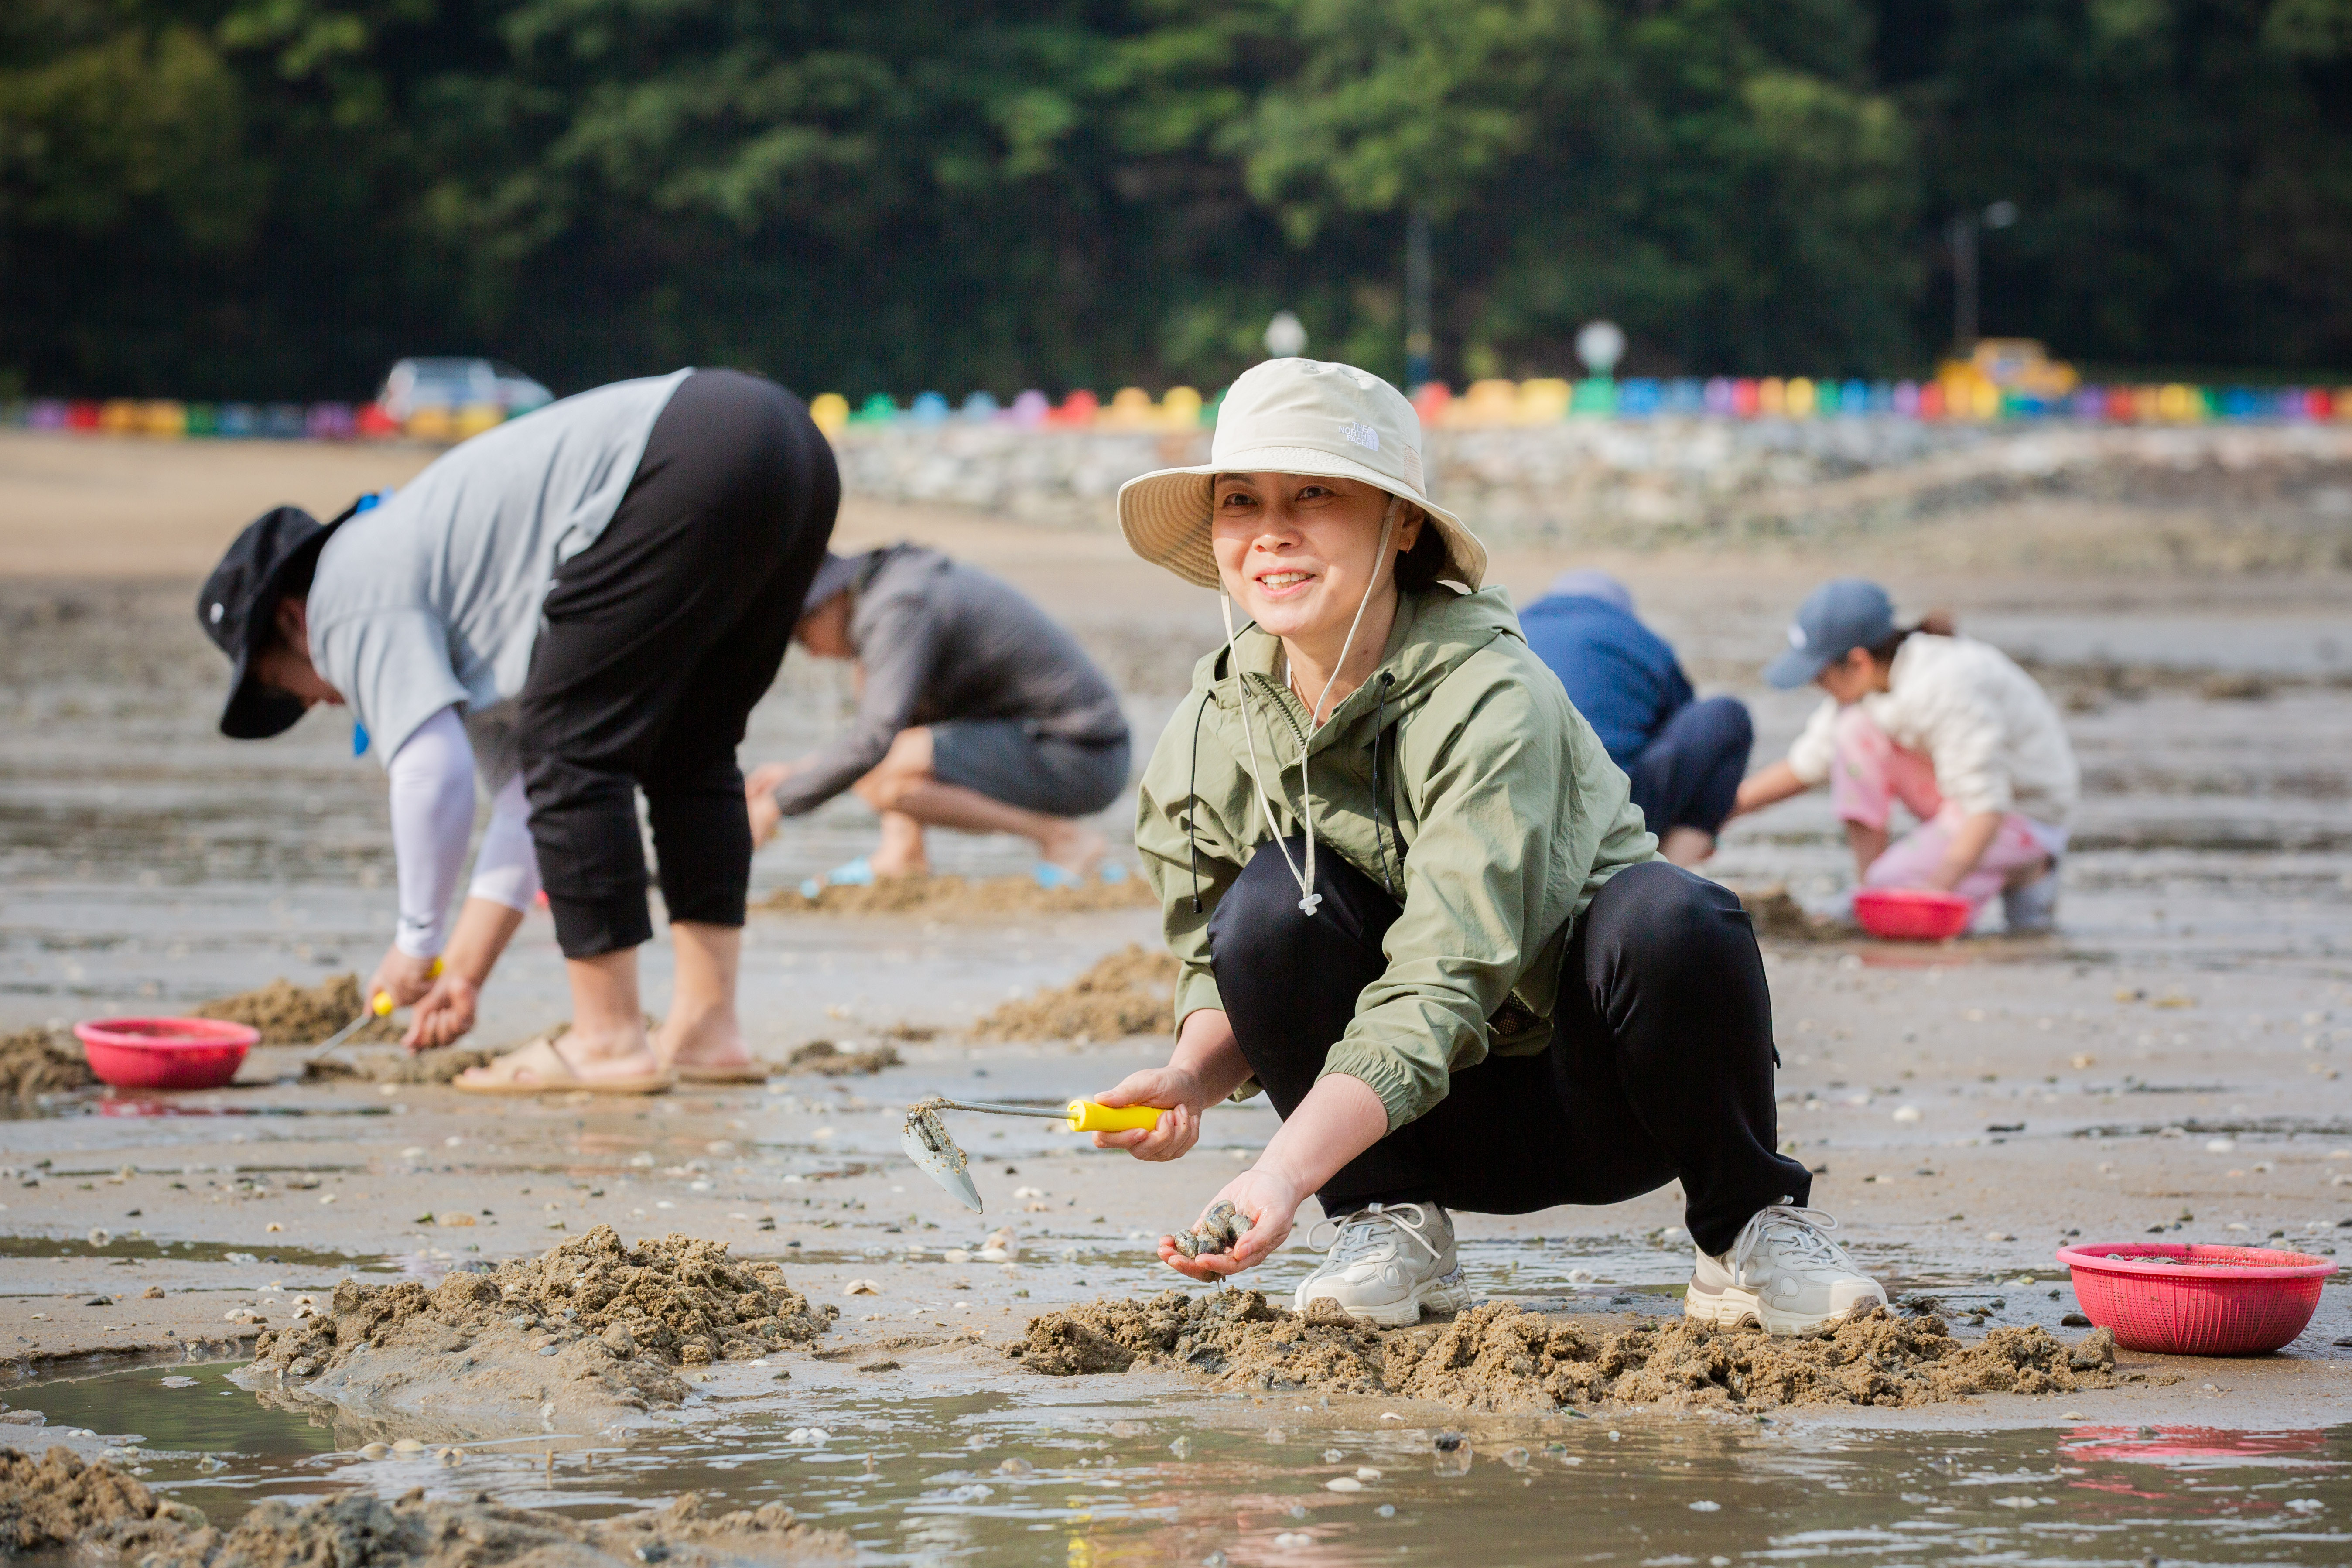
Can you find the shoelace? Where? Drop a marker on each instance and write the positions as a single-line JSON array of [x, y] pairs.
[[1802, 1229], [1308, 897], [1354, 1238]]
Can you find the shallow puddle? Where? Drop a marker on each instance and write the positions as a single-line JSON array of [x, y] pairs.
[[1064, 1475], [183, 1252]]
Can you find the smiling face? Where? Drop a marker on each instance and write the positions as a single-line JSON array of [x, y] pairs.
[[1297, 552]]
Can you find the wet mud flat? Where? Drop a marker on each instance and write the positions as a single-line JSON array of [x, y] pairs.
[[59, 1504], [945, 1463], [2172, 1060]]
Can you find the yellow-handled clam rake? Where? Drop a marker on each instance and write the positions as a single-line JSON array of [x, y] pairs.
[[935, 1153]]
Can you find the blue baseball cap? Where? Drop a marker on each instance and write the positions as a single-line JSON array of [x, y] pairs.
[[1837, 618]]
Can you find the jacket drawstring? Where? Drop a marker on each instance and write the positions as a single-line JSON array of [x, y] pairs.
[[1192, 805], [1379, 724]]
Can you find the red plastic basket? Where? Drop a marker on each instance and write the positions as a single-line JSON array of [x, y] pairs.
[[1911, 914], [165, 1053], [2213, 1301]]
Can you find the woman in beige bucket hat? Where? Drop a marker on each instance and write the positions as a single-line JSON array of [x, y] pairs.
[[1463, 974]]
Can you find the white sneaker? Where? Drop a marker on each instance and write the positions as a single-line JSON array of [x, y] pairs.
[[1386, 1263], [1783, 1273]]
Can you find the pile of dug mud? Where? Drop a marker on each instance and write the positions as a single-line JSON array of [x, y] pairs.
[[572, 1340], [1775, 914], [965, 897], [1129, 992], [59, 1505], [35, 1062], [397, 1065], [1501, 1358], [292, 1014]]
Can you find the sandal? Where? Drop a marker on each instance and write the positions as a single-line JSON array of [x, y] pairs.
[[540, 1069]]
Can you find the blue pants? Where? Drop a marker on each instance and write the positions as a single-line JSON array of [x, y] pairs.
[[1689, 773]]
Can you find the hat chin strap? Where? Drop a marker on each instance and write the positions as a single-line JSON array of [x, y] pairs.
[[1308, 899]]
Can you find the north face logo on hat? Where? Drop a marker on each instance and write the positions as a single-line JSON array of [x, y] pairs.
[[1359, 434]]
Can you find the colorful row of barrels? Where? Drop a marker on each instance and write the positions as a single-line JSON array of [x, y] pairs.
[[169, 419], [1483, 404], [1497, 404]]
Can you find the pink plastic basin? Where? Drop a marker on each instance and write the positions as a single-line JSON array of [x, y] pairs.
[[2209, 1300], [165, 1053], [1911, 914]]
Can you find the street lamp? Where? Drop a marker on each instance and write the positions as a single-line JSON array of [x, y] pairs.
[[1960, 233], [1416, 299]]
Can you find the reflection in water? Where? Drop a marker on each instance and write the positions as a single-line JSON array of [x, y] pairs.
[[986, 1479]]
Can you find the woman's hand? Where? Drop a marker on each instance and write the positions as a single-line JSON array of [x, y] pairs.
[[444, 1014], [760, 800], [1269, 1200], [399, 977], [1172, 1088], [1770, 786]]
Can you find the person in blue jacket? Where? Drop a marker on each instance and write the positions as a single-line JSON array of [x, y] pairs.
[[1685, 757]]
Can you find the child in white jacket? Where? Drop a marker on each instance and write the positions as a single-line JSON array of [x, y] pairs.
[[1949, 727]]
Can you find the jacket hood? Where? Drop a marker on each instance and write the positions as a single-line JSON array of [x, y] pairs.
[[1435, 631]]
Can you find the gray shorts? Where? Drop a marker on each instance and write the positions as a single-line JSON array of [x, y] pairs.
[[1005, 760]]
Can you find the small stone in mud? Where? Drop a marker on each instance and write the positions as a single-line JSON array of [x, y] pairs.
[[152, 1293], [1015, 1467]]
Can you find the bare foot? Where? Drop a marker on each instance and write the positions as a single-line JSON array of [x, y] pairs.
[[714, 1040], [625, 1048], [1075, 848], [1686, 847]]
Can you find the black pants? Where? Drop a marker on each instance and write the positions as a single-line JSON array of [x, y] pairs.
[[660, 637], [1660, 1066], [1689, 773]]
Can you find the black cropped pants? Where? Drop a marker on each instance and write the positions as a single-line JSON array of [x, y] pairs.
[[1660, 1067], [1688, 775], [659, 639]]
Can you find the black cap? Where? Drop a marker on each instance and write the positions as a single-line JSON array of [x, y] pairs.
[[239, 604]]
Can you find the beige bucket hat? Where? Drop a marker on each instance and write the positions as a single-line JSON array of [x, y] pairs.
[[1292, 416]]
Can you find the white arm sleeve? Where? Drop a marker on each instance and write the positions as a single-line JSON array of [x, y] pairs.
[[506, 868], [431, 817]]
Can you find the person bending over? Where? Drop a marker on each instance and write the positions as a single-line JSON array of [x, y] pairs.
[[1682, 756], [975, 712], [1948, 726], [1414, 904], [578, 605]]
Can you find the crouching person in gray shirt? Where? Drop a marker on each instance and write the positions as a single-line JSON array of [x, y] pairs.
[[579, 605], [977, 712]]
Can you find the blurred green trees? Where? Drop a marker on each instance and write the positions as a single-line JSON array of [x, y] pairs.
[[268, 198]]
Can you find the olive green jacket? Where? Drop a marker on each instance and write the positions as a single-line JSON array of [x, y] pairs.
[[1500, 816]]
